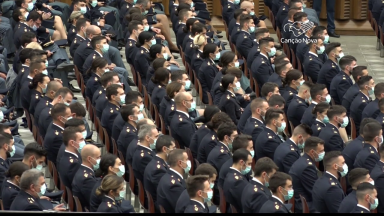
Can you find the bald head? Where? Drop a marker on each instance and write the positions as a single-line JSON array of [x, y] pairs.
[[146, 121], [52, 88], [182, 96], [93, 30], [245, 5], [90, 150]]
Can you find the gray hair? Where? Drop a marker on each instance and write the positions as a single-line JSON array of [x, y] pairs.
[[142, 2], [145, 130], [30, 177]]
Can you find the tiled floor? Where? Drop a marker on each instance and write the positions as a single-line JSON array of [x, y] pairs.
[[361, 47]]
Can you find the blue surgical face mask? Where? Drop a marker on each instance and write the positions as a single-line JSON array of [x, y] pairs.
[[134, 1], [252, 13], [105, 48], [289, 195], [237, 87], [246, 170], [321, 50], [345, 122], [217, 56], [187, 84], [165, 55], [371, 91], [251, 29], [81, 145], [153, 42], [46, 63], [30, 6], [374, 205], [141, 108], [13, 150], [282, 127], [236, 2], [97, 165], [139, 117], [43, 189], [237, 64], [44, 89], [193, 106], [188, 167], [272, 52], [326, 119], [301, 146], [326, 39], [153, 145], [209, 196], [122, 99], [38, 166], [121, 195], [345, 170], [266, 184], [34, 27], [94, 3], [252, 153], [321, 156], [121, 171], [211, 185], [146, 28], [45, 72], [192, 5], [145, 12], [83, 10]]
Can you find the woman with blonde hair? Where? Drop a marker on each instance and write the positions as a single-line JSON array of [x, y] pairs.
[[112, 189], [34, 45], [199, 41]]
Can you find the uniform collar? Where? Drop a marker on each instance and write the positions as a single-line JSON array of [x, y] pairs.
[[199, 201], [314, 102], [9, 181], [331, 174], [144, 146], [29, 77], [224, 145], [176, 173], [233, 94], [320, 122], [72, 153], [80, 36], [235, 169], [113, 200], [258, 120], [333, 125], [257, 180], [292, 141], [271, 130], [58, 126], [183, 112], [87, 167], [278, 199], [25, 65], [313, 54], [365, 95], [101, 55], [362, 207], [246, 32], [264, 55], [145, 49]]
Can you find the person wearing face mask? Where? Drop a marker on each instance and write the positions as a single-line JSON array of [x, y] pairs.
[[81, 26], [110, 165], [112, 189], [372, 110], [319, 94], [244, 42], [131, 114], [116, 98], [363, 98], [172, 184], [268, 140], [337, 117], [208, 69], [199, 42], [299, 103], [255, 123], [356, 177], [281, 187], [281, 70], [342, 81], [312, 61], [85, 179], [7, 150], [377, 176], [235, 182], [228, 102], [200, 192], [98, 68], [100, 100], [161, 80], [144, 152], [327, 193], [144, 43], [285, 6], [331, 66], [182, 126], [286, 30], [34, 156], [52, 87], [12, 184], [369, 155], [367, 198], [229, 9], [54, 138], [256, 193], [255, 51], [39, 89], [304, 172], [320, 112], [289, 151], [70, 161], [62, 96], [32, 187], [262, 66], [301, 28], [134, 28], [158, 166], [167, 105]]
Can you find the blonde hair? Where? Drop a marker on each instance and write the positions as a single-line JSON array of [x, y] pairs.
[[199, 39], [74, 15], [34, 45], [110, 182]]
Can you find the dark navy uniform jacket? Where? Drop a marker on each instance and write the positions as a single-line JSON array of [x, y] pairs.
[[288, 96], [167, 109], [244, 118], [182, 128], [197, 138], [69, 164], [36, 96], [254, 195], [351, 150], [329, 70], [53, 141], [128, 134], [234, 184], [71, 34], [155, 169], [26, 93], [9, 193], [253, 127], [312, 65], [380, 119], [261, 69], [141, 63], [349, 96], [88, 63], [244, 43], [206, 145], [109, 204], [108, 116], [45, 119], [118, 125], [316, 127], [180, 34], [360, 209], [206, 75], [281, 14], [339, 85], [26, 202], [130, 51], [266, 143], [275, 205], [131, 150], [327, 194], [100, 104], [81, 54], [286, 29], [197, 60], [92, 85], [142, 156], [96, 200], [169, 190], [285, 155], [377, 174], [228, 11], [76, 43], [378, 6], [253, 53], [4, 166], [308, 118], [82, 185], [196, 207], [296, 110], [367, 157], [61, 153], [301, 50], [357, 106], [230, 105], [348, 203], [224, 171], [235, 33], [371, 110], [304, 175], [100, 91], [331, 136], [219, 155], [189, 49], [44, 102], [158, 94], [275, 78]]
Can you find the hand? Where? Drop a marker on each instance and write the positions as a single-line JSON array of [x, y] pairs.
[[111, 66], [106, 12], [45, 198], [174, 63], [100, 4], [58, 80], [246, 97], [194, 14], [2, 104], [273, 59], [46, 15], [101, 22], [3, 75], [156, 30], [193, 9], [160, 36], [218, 67], [40, 12], [49, 53], [59, 207]]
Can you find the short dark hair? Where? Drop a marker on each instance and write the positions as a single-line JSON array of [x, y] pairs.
[[174, 156], [164, 140], [225, 129], [134, 25], [112, 90], [3, 127], [218, 119], [330, 157], [96, 40], [320, 107], [81, 22], [358, 72], [364, 80], [195, 183], [317, 89], [357, 175], [106, 78], [318, 30], [34, 149], [260, 31], [177, 75], [297, 17], [63, 91], [74, 122], [279, 179], [265, 41], [363, 189], [240, 154], [379, 89], [268, 87], [371, 130], [206, 169], [364, 122], [272, 113], [332, 46], [346, 60], [264, 164], [58, 110], [276, 100], [132, 97], [312, 142], [241, 141], [335, 110], [25, 54], [26, 38], [281, 66], [244, 18], [5, 139], [16, 169], [78, 109], [127, 110], [69, 133]]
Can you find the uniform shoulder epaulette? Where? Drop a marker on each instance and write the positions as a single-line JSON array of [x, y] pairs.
[[277, 205], [110, 204], [196, 208], [269, 136], [333, 183], [31, 200], [309, 162], [89, 44]]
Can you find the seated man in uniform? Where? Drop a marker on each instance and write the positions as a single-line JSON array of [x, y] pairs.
[[131, 114], [367, 201], [116, 98], [200, 192], [7, 150], [81, 28], [85, 179], [342, 81], [331, 66], [34, 156], [255, 123]]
